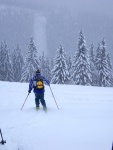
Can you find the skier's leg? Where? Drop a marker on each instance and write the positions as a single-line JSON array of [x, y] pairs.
[[37, 97], [43, 101]]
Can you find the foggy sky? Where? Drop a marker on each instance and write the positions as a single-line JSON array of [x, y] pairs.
[[104, 7], [96, 21]]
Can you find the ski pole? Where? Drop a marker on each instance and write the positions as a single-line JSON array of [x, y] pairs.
[[2, 142], [54, 97], [25, 101]]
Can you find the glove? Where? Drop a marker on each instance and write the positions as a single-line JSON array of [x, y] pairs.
[[29, 91]]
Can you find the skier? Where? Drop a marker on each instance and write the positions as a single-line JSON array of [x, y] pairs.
[[37, 84]]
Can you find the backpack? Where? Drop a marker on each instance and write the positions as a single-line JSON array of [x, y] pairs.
[[39, 83]]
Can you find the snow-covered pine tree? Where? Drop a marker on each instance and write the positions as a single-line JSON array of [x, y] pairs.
[[92, 65], [17, 63], [69, 64], [5, 64], [48, 69], [91, 55], [111, 68], [60, 74], [102, 64], [81, 66], [31, 63], [51, 63], [51, 66], [45, 66], [97, 59], [109, 61], [1, 62]]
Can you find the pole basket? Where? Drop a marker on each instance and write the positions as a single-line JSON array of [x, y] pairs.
[[3, 141]]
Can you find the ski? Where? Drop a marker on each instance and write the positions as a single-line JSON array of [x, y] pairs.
[[44, 109]]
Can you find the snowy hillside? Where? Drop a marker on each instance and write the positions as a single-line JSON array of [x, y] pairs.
[[84, 120]]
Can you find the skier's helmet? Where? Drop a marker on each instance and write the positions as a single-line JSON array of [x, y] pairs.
[[38, 71]]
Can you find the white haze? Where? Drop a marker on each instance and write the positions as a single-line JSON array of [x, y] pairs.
[[59, 23], [98, 6]]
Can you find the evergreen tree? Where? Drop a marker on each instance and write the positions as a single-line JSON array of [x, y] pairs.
[[48, 69], [60, 72], [91, 55], [109, 61], [110, 70], [17, 64], [93, 65], [6, 73], [103, 67], [31, 63], [51, 66], [97, 59], [45, 66], [69, 64], [1, 62], [81, 67]]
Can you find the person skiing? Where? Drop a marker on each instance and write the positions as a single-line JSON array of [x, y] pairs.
[[37, 84]]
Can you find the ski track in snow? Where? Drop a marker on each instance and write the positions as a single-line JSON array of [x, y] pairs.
[[84, 120]]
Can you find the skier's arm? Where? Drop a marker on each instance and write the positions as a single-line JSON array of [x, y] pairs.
[[47, 81]]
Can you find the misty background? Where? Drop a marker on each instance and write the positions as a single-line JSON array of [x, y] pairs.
[[55, 22]]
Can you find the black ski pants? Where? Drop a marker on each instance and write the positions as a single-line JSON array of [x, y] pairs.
[[40, 98]]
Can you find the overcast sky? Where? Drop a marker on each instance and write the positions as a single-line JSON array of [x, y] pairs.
[[97, 6]]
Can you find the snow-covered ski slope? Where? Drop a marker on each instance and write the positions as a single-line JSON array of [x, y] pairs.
[[84, 120]]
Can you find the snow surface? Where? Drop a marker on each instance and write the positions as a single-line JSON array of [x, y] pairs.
[[84, 120]]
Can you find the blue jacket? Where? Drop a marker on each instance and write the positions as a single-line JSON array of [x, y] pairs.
[[32, 84]]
